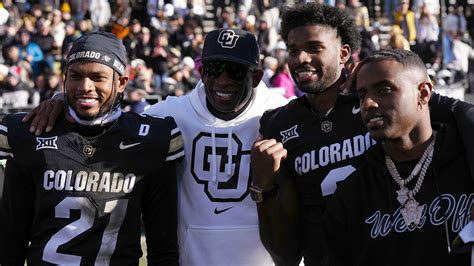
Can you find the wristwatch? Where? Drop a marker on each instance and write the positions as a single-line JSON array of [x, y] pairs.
[[258, 194]]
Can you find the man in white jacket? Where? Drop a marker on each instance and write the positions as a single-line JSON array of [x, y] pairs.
[[219, 122]]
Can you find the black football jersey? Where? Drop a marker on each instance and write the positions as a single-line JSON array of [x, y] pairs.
[[321, 152], [75, 200]]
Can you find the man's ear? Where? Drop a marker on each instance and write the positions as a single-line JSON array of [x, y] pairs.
[[123, 81], [345, 53], [424, 90], [256, 77]]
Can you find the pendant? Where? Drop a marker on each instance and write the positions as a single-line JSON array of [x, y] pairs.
[[411, 212], [402, 195]]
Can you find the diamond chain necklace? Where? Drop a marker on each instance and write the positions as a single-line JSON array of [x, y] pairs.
[[411, 210]]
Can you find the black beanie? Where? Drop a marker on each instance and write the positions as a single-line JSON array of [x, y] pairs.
[[100, 47]]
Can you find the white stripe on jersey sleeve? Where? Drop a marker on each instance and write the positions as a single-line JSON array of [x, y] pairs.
[[5, 150], [5, 155], [175, 130], [175, 156], [3, 128], [175, 149]]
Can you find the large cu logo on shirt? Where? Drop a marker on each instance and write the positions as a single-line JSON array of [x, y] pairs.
[[231, 185]]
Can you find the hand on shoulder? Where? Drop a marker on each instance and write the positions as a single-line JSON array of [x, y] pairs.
[[44, 116]]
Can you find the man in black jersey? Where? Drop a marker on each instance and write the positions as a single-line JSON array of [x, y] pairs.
[[320, 133], [311, 144], [219, 123], [77, 195], [414, 191]]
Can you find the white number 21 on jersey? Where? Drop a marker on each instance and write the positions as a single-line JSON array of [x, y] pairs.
[[116, 208]]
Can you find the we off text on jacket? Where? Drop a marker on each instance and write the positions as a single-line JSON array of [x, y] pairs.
[[218, 222], [364, 221]]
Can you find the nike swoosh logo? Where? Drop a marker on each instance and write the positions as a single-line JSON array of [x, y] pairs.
[[216, 211], [355, 110], [123, 146]]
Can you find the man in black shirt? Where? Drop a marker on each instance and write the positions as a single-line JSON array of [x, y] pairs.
[[414, 190], [77, 194]]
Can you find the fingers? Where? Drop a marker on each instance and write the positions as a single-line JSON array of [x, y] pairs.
[[271, 147], [29, 115], [263, 144], [266, 157], [282, 153], [349, 84], [40, 119], [44, 116], [33, 115], [55, 113]]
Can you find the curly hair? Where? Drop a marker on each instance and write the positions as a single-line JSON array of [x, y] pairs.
[[313, 13]]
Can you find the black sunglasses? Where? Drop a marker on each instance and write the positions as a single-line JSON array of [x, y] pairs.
[[214, 68]]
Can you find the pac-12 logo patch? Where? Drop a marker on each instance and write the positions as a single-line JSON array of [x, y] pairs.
[[227, 38], [47, 143], [289, 134]]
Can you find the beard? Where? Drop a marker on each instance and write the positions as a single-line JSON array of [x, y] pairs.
[[320, 85]]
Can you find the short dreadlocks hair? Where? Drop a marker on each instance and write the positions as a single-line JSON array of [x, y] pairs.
[[313, 13]]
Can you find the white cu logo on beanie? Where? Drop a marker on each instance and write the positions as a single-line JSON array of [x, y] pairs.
[[227, 38]]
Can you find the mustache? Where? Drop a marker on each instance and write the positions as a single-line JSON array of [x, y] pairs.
[[305, 67]]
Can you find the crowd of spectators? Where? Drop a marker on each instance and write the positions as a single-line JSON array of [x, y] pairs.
[[164, 40]]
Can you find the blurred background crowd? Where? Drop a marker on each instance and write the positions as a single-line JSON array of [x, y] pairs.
[[164, 39]]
